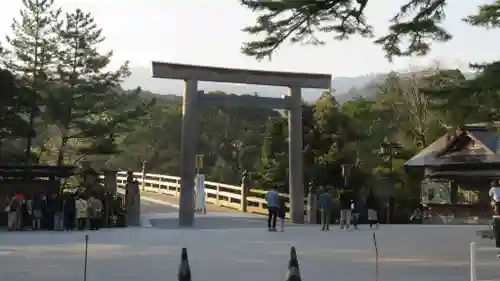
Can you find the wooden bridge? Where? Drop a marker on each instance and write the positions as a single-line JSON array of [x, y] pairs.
[[218, 196]]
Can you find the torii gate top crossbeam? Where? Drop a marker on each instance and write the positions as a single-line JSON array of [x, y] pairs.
[[241, 76]]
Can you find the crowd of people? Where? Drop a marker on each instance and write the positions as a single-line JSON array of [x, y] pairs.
[[350, 213], [349, 210], [62, 211]]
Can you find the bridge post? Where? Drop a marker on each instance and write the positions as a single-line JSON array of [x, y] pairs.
[[110, 181], [295, 172], [245, 186], [143, 175], [188, 152]]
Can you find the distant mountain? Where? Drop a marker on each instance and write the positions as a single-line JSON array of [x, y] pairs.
[[346, 87]]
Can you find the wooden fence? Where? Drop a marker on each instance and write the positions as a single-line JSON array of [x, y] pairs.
[[220, 194]]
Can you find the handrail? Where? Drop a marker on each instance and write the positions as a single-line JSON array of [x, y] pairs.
[[473, 259], [220, 194]]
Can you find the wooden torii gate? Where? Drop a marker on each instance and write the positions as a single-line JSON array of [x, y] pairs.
[[192, 74]]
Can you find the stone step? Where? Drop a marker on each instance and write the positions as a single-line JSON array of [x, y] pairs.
[[486, 234]]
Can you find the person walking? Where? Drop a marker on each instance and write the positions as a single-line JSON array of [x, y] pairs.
[[272, 199], [345, 209], [25, 214], [282, 214], [355, 214], [58, 212], [325, 207], [95, 212], [495, 200], [390, 209], [48, 212], [82, 210], [372, 206], [69, 212], [14, 213], [35, 209]]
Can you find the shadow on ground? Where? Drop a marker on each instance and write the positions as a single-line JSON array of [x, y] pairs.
[[214, 223]]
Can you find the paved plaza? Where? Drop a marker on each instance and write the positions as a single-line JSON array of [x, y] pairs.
[[249, 253]]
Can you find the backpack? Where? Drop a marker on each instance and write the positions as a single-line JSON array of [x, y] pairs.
[[15, 205]]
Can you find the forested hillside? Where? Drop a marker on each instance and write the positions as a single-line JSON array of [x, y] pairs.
[[346, 88]]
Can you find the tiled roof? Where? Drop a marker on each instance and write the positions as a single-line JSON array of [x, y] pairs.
[[488, 138], [429, 156]]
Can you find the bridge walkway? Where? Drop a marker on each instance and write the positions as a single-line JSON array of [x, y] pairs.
[[160, 211], [172, 202]]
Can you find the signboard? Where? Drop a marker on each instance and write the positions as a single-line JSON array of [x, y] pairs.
[[199, 161], [435, 192], [200, 193]]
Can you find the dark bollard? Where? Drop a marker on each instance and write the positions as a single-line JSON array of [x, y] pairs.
[[293, 267], [184, 270]]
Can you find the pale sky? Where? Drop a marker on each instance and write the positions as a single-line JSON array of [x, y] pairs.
[[209, 33]]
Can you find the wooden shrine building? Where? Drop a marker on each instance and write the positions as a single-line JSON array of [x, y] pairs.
[[458, 169], [30, 180]]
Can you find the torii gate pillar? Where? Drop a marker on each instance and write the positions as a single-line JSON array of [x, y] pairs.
[[295, 156], [189, 133], [193, 99]]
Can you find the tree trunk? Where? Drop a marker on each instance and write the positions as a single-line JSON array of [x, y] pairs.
[[62, 149], [29, 140]]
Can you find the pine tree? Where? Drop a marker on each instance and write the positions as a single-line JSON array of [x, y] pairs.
[[30, 52], [488, 16], [12, 107], [411, 31], [272, 168], [86, 102]]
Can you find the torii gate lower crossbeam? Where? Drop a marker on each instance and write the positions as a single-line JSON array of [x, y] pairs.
[[193, 99]]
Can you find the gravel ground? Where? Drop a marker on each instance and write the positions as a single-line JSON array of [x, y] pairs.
[[409, 252]]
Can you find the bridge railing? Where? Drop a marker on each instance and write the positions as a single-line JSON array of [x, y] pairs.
[[220, 194], [473, 259]]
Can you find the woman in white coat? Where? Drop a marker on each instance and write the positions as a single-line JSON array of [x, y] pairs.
[[82, 212]]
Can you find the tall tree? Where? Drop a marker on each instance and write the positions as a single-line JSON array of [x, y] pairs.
[[31, 51], [411, 32], [272, 167], [13, 104], [462, 101], [407, 107], [371, 127], [332, 129], [85, 102], [477, 99], [156, 140]]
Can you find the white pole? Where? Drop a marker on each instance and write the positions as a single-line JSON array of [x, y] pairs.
[[473, 273]]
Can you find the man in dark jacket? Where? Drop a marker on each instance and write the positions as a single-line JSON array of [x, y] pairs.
[[58, 212], [345, 200], [36, 212], [372, 206], [325, 207], [69, 212], [282, 213], [48, 212]]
